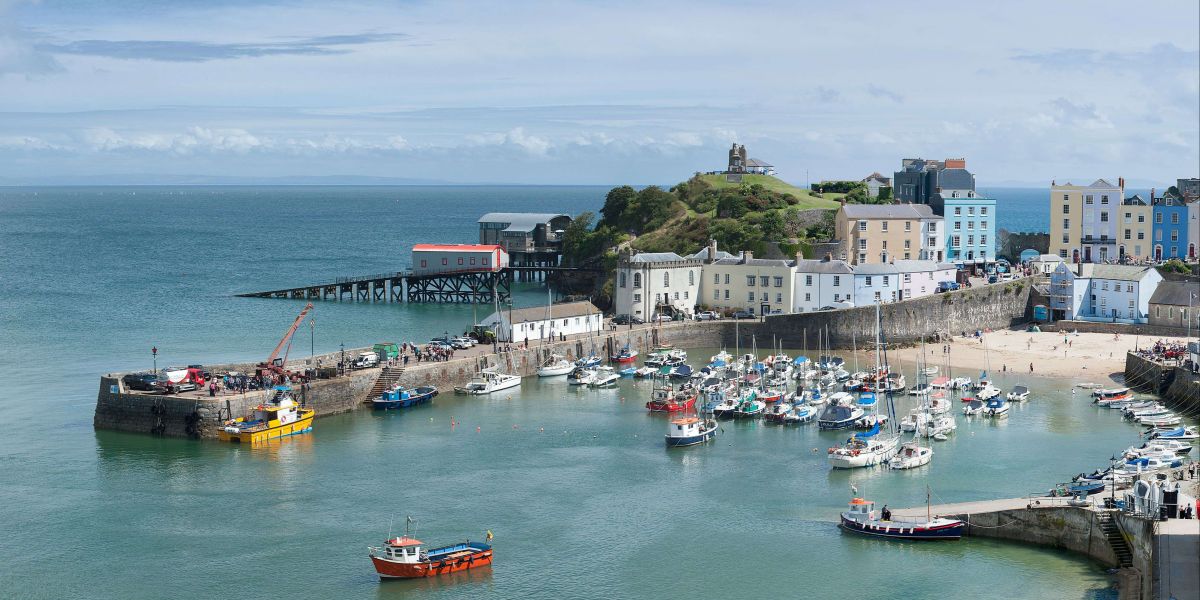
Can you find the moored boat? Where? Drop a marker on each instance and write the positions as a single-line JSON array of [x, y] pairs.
[[911, 456], [488, 381], [1019, 393], [279, 417], [605, 377], [402, 558], [996, 407], [554, 366], [625, 355], [689, 431], [401, 397], [581, 376], [861, 518]]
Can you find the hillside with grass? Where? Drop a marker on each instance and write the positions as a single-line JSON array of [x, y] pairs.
[[804, 198]]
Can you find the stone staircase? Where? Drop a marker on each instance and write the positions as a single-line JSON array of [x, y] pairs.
[[387, 378], [1112, 532]]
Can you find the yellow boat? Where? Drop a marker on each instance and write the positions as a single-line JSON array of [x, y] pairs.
[[281, 417]]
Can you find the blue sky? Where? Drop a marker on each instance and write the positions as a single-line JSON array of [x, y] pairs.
[[597, 92]]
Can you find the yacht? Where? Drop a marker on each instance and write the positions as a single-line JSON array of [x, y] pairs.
[[911, 455], [488, 381], [605, 377], [554, 366], [581, 376], [864, 449]]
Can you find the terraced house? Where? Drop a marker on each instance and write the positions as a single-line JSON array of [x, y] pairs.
[[971, 227], [1083, 224], [761, 286], [1170, 227], [881, 233], [1134, 230]]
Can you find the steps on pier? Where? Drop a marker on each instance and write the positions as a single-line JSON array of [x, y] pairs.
[[387, 377], [1112, 532]]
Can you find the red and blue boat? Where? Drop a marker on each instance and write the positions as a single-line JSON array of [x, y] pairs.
[[626, 355], [861, 518], [400, 397], [402, 558]]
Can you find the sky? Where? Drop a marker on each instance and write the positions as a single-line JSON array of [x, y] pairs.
[[586, 92]]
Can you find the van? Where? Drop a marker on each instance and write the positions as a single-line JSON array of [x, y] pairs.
[[365, 360]]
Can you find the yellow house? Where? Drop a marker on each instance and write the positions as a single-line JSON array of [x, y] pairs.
[[881, 233], [746, 283], [1066, 214], [1134, 227], [1086, 221]]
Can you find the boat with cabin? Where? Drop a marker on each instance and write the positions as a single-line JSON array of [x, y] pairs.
[[996, 407], [488, 381], [605, 376], [911, 455], [400, 397], [581, 376], [402, 558], [1019, 393], [279, 417], [554, 366], [864, 449], [861, 518], [689, 431]]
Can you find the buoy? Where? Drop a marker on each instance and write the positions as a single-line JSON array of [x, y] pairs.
[[476, 430], [541, 429]]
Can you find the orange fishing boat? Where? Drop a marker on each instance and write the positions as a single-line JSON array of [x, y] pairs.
[[402, 558]]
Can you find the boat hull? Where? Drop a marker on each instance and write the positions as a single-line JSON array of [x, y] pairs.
[[949, 531], [691, 440], [301, 425], [413, 400], [479, 556]]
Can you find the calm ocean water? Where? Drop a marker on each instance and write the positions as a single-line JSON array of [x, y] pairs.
[[582, 497]]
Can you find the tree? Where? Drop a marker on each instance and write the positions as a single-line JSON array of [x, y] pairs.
[[650, 209], [731, 206], [1175, 266], [616, 203], [772, 226], [885, 195]]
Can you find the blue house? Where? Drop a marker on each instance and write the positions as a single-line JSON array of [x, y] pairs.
[[1169, 228], [970, 227]]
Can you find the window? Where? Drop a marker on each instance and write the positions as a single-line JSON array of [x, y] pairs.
[[908, 278], [622, 279], [932, 242], [1128, 234], [637, 280], [883, 226], [752, 296], [808, 297], [764, 281], [1065, 197], [1141, 236], [983, 210], [778, 298], [970, 224], [971, 210], [658, 298], [726, 294], [884, 244], [862, 244], [862, 225], [837, 280], [970, 240], [1066, 208], [1158, 235], [983, 240], [885, 280], [1131, 304], [1062, 253], [1066, 223], [676, 295], [666, 279], [727, 279], [1175, 219], [423, 265], [1174, 235], [877, 297], [485, 261], [907, 244], [1103, 199], [1158, 217], [445, 261], [933, 227], [862, 257], [957, 211], [1104, 217], [983, 224], [691, 278], [637, 297], [958, 225], [954, 242], [1141, 218], [908, 225], [749, 281], [716, 294], [808, 280], [472, 261], [1089, 199], [907, 255], [1104, 285], [778, 282], [868, 281]]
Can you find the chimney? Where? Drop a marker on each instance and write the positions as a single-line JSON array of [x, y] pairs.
[[843, 200], [799, 257], [712, 251], [747, 255], [1121, 182], [828, 257], [1152, 195]]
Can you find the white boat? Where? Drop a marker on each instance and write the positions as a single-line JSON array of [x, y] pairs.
[[644, 372], [987, 392], [921, 389], [911, 455], [1145, 411], [1175, 433], [581, 376], [554, 366], [1159, 447], [689, 431], [1149, 464], [605, 376], [943, 425], [488, 381], [960, 383], [1019, 393], [941, 383], [996, 407], [1161, 420], [930, 371], [974, 407], [909, 423], [937, 404], [864, 450]]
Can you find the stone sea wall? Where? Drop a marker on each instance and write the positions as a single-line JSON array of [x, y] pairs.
[[1179, 387]]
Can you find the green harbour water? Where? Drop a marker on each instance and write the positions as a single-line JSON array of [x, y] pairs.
[[583, 498]]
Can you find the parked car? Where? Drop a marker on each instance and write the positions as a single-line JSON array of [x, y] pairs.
[[142, 382], [947, 286], [992, 278], [707, 315], [662, 319], [743, 314], [461, 343], [627, 319]]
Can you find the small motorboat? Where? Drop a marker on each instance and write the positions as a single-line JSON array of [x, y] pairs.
[[750, 407], [861, 518], [1158, 447], [1019, 393], [689, 431], [681, 372], [911, 456], [627, 372], [400, 397], [921, 389], [838, 416], [581, 376], [930, 371], [1161, 420], [1064, 490], [777, 412], [402, 558], [488, 381], [987, 392], [554, 366], [726, 408], [870, 421], [996, 407], [974, 407], [940, 383], [960, 383], [605, 377], [867, 399], [644, 372], [1108, 396], [940, 437], [799, 414], [1175, 433]]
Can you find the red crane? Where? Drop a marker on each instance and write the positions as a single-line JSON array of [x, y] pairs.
[[273, 362]]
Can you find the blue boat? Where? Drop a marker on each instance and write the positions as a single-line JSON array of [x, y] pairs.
[[400, 397], [681, 372], [867, 399], [627, 372], [589, 361], [839, 417], [863, 519]]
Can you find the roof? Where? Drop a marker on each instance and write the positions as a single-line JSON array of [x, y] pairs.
[[1177, 293], [656, 257], [1100, 183], [538, 313], [912, 266], [1134, 200], [753, 262], [888, 211], [956, 179], [754, 162], [1113, 272], [404, 542], [455, 247], [877, 177], [520, 221], [703, 255], [823, 266], [876, 269], [1049, 258]]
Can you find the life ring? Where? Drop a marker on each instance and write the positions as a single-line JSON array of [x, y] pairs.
[[854, 453]]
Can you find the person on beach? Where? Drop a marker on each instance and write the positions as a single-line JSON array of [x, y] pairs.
[[1030, 367]]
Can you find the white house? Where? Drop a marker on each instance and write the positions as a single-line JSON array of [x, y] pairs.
[[545, 323], [933, 239], [431, 259], [876, 282], [875, 181], [1045, 263], [1099, 292], [822, 283], [921, 277], [747, 283], [652, 283]]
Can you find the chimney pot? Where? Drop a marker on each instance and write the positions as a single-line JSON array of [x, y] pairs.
[[1121, 182], [828, 257]]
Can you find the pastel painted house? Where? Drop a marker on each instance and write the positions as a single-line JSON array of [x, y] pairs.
[[1100, 292]]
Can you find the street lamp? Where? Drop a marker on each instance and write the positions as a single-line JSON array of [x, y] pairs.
[[154, 353], [312, 338]]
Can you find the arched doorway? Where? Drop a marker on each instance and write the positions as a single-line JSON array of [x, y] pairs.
[[1074, 256], [1157, 253]]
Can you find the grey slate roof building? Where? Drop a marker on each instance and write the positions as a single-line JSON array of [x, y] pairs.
[[918, 180], [1177, 293], [835, 266], [888, 211]]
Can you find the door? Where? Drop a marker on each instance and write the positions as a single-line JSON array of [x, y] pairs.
[[1087, 254]]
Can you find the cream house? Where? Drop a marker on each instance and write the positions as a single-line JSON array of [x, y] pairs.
[[881, 233], [748, 283], [651, 283]]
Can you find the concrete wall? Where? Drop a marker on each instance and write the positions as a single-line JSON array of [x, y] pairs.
[[1110, 327], [1179, 387], [1139, 534], [1066, 527]]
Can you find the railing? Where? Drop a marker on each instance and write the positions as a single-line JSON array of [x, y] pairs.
[[358, 278]]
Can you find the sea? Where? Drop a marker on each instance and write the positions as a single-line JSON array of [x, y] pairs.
[[583, 499]]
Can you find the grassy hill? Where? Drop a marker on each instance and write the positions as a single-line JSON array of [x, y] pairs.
[[806, 198]]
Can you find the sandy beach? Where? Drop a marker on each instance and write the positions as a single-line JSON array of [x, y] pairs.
[[1082, 357]]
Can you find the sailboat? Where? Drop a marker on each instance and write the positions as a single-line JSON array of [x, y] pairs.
[[872, 447], [861, 518], [555, 365]]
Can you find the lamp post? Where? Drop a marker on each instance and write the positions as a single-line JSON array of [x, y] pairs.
[[1112, 464], [154, 354], [342, 364], [312, 338]]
